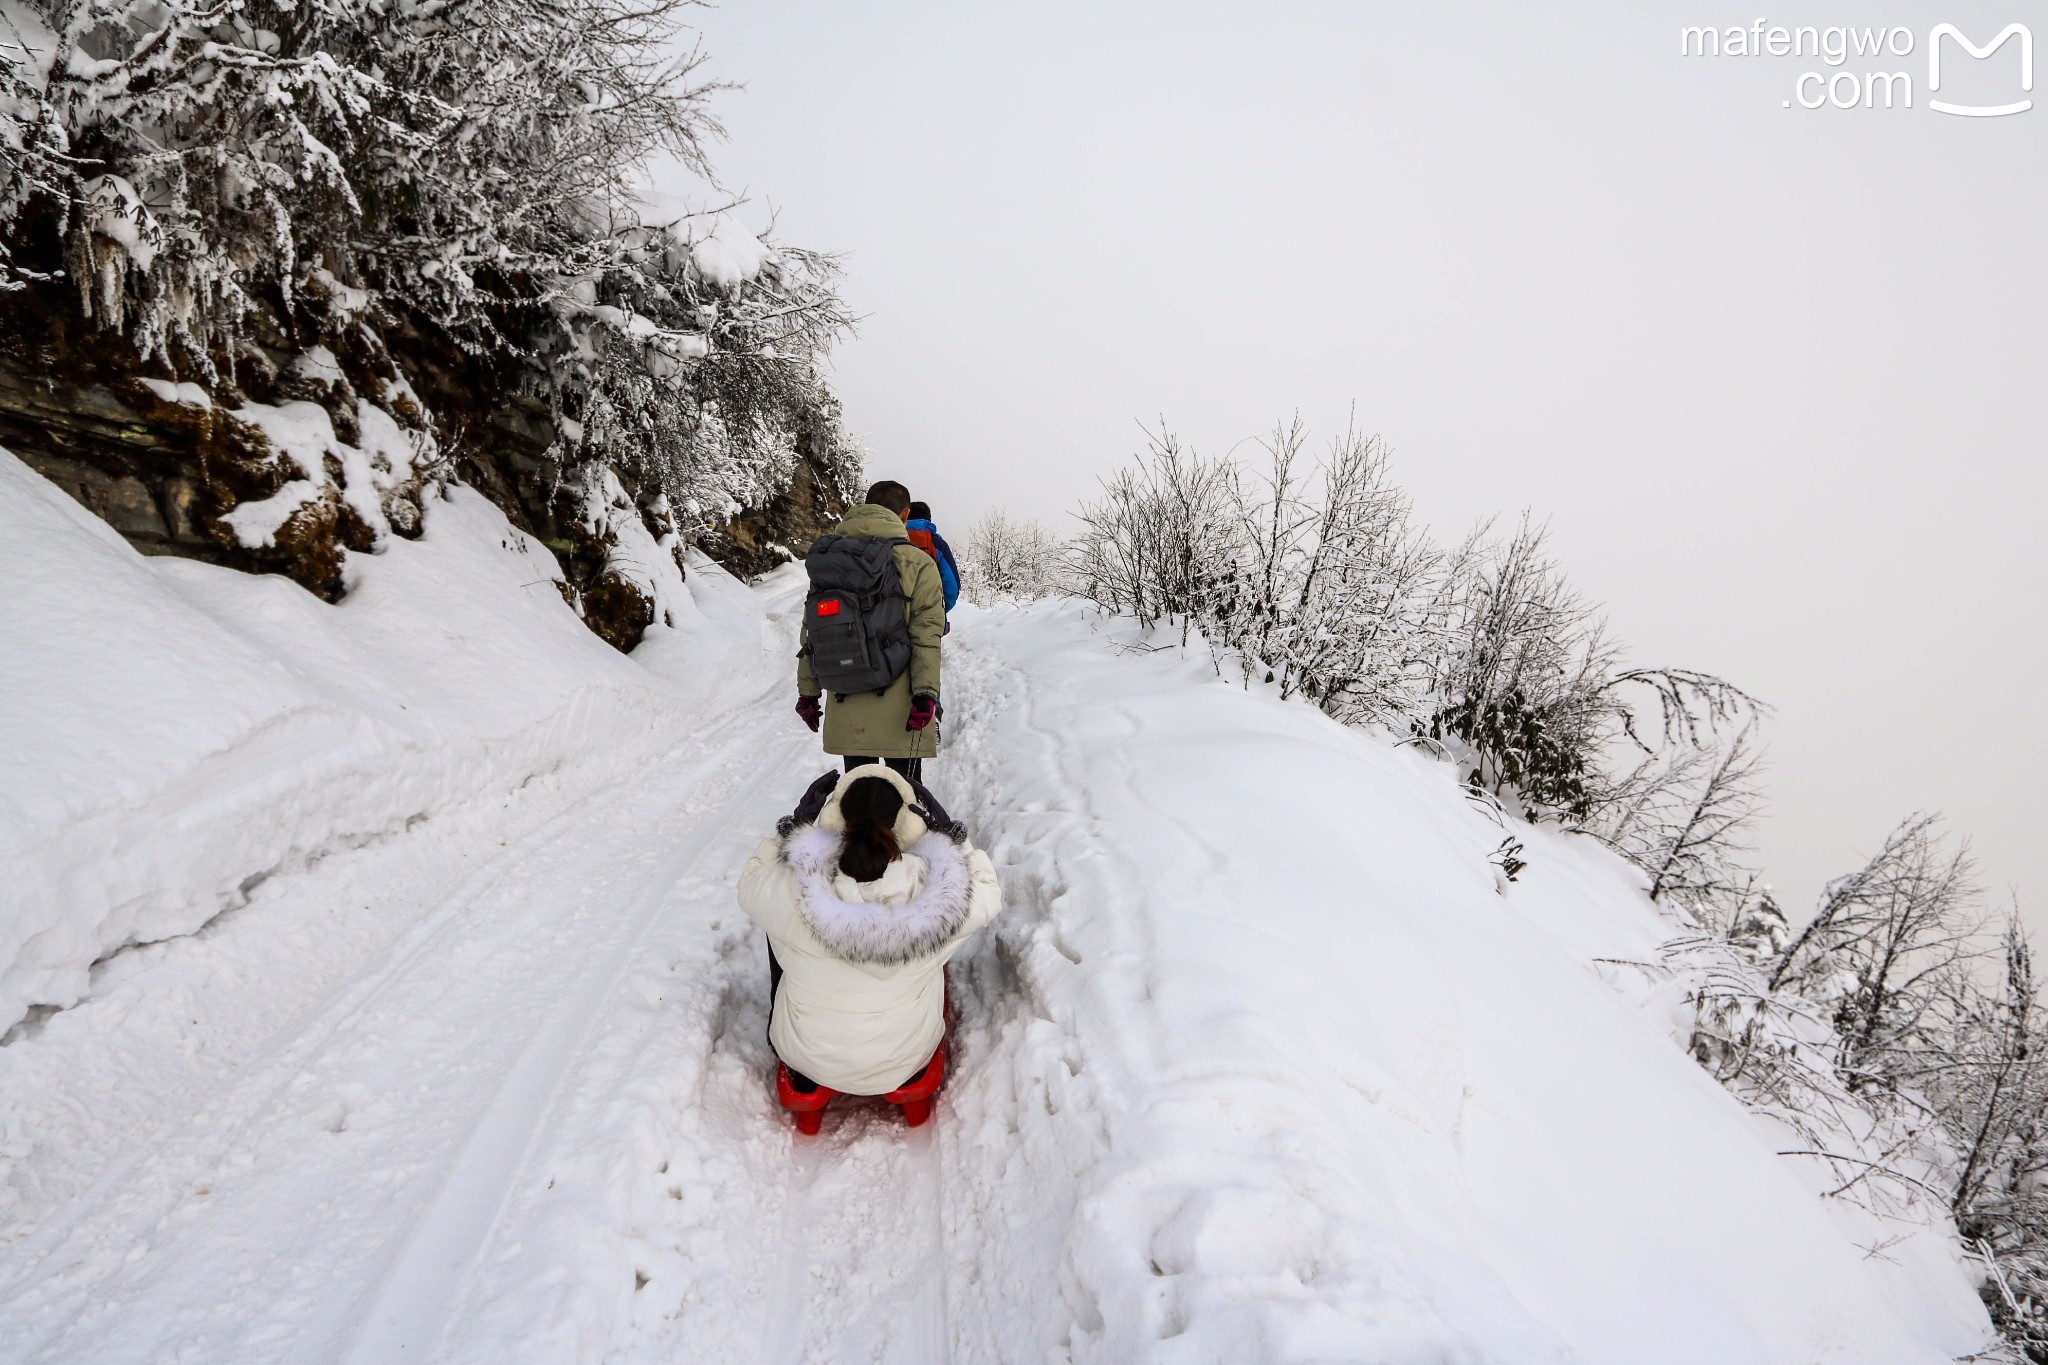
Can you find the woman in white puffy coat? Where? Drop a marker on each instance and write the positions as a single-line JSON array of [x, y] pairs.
[[864, 898]]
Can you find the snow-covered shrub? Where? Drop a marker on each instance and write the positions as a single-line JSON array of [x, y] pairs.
[[1776, 1050], [1345, 595], [1991, 1091], [1315, 580], [1890, 952], [1521, 679], [1682, 814], [1011, 559], [1876, 1035], [1162, 543], [1319, 582]]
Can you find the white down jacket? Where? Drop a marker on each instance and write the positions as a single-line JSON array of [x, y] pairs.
[[861, 1006]]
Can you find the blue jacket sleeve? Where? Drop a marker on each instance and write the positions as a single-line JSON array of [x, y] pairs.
[[949, 572]]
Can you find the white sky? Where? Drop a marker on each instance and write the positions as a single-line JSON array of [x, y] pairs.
[[1774, 375]]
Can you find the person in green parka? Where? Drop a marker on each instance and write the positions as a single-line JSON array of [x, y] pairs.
[[899, 725]]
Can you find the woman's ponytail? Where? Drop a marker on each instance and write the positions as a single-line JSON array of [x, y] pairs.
[[869, 807]]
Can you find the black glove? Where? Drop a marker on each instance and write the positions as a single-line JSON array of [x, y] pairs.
[[928, 809], [810, 806]]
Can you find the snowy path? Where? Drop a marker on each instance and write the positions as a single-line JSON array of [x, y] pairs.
[[513, 1107], [1260, 1063], [391, 1117], [864, 1182], [406, 1315]]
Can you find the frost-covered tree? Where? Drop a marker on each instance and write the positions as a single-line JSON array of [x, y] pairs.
[[1888, 953], [1344, 600], [1522, 683], [33, 166], [1161, 542], [1010, 559], [1990, 1087], [1312, 576], [449, 187], [1683, 815], [445, 153], [1882, 1033]]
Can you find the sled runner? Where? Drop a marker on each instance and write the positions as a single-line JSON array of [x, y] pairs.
[[914, 1096]]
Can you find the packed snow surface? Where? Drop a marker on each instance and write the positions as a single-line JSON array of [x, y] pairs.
[[171, 735], [406, 1013]]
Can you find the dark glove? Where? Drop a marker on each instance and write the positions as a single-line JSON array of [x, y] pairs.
[[810, 710], [934, 815], [811, 805], [922, 709]]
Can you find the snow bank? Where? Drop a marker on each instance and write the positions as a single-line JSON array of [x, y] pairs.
[[172, 733], [1263, 1066]]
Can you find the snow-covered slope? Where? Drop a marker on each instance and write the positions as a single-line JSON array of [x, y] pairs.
[[171, 734], [1263, 1063], [1269, 1069]]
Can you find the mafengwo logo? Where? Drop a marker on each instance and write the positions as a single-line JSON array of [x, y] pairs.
[[1855, 57]]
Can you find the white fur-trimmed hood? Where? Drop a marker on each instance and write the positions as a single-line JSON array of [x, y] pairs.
[[885, 932]]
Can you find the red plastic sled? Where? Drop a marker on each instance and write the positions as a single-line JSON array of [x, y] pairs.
[[914, 1096]]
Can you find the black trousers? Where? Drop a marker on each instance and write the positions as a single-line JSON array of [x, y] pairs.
[[912, 768]]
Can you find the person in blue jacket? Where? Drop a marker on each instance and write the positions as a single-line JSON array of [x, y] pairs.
[[925, 536]]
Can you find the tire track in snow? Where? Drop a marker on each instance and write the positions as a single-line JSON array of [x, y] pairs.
[[96, 1258], [173, 1155], [405, 1318], [861, 1259]]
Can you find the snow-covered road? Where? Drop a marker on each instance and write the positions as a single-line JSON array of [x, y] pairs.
[[498, 1080], [1262, 1061]]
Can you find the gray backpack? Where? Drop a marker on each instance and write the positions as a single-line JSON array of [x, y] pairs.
[[856, 618]]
